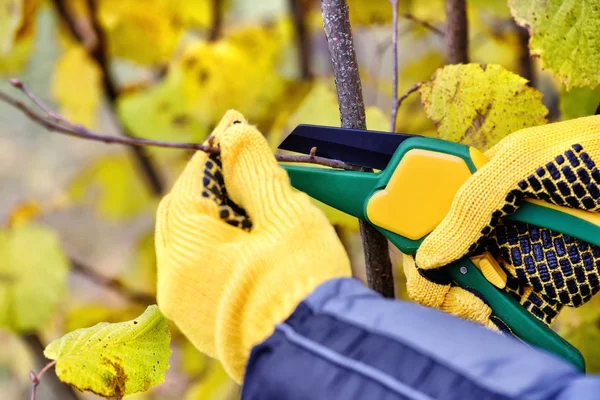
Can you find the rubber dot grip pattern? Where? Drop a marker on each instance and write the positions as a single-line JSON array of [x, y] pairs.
[[214, 189]]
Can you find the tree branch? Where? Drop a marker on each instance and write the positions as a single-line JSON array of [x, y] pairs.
[[336, 22], [525, 64], [457, 32], [394, 4], [55, 123], [419, 21], [298, 9], [216, 27], [112, 284], [99, 52]]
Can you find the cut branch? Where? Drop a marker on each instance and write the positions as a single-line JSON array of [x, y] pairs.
[[336, 22], [457, 32], [55, 123]]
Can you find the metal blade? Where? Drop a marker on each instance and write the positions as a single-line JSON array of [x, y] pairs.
[[372, 149]]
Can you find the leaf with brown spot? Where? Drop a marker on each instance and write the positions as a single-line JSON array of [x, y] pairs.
[[114, 360], [480, 104]]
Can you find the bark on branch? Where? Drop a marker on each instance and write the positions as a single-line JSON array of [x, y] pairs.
[[457, 32], [336, 21]]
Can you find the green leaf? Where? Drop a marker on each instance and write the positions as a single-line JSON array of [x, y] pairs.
[[114, 185], [114, 360], [564, 34], [579, 102], [479, 105], [82, 316], [33, 276]]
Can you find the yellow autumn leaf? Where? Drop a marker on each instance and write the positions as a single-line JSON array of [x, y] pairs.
[[140, 274], [82, 316], [372, 12], [215, 385], [17, 33], [146, 34], [239, 72], [165, 113], [564, 34], [480, 104], [193, 362], [114, 186], [76, 85], [114, 360], [32, 283], [11, 14]]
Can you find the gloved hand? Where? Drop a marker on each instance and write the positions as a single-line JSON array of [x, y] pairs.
[[226, 278], [546, 270]]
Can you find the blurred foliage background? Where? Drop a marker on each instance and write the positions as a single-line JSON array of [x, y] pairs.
[[78, 216]]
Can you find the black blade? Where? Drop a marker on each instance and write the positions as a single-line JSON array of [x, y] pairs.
[[370, 149]]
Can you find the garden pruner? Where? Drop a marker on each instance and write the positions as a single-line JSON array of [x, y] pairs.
[[408, 195]]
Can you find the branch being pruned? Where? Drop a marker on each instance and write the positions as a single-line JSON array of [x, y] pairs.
[[55, 123]]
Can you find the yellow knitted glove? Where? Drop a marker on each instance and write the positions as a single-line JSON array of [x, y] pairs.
[[554, 163], [225, 282]]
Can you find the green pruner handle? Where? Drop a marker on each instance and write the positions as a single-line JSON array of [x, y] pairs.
[[521, 322]]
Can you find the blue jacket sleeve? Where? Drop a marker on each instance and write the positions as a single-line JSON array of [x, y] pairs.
[[345, 341]]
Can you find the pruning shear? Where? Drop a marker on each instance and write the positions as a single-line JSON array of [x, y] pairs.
[[409, 196]]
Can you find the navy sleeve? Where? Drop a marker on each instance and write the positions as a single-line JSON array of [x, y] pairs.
[[345, 341]]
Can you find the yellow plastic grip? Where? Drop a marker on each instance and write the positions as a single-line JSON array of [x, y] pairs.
[[419, 193]]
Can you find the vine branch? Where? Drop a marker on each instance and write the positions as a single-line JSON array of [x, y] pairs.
[[55, 123], [336, 21], [216, 27], [457, 32]]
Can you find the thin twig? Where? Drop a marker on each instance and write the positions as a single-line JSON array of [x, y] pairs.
[[421, 22], [35, 379], [394, 65], [55, 123], [401, 99], [457, 32], [59, 389], [113, 284], [336, 21]]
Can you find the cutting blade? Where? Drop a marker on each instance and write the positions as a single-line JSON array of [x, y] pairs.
[[371, 149]]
